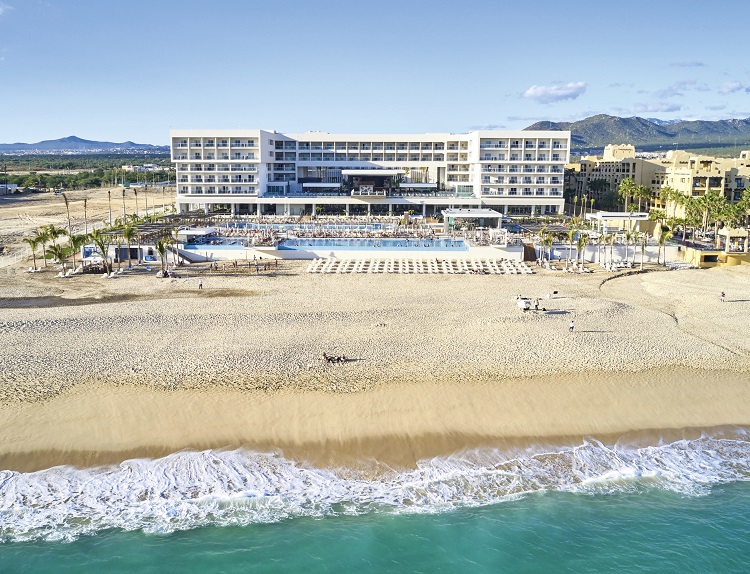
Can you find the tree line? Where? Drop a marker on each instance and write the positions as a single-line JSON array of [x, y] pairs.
[[86, 179]]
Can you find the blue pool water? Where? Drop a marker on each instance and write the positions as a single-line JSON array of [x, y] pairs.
[[312, 227], [375, 244], [679, 507]]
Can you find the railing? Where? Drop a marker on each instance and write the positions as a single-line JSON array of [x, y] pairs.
[[368, 193]]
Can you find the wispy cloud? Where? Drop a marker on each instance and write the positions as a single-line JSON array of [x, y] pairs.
[[525, 118], [555, 92], [4, 8], [687, 64], [679, 88], [731, 87], [658, 107], [487, 127], [716, 108]]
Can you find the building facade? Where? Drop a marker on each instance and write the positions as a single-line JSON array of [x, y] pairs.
[[259, 172], [695, 175], [599, 175]]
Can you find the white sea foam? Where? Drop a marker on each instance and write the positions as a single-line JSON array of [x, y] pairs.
[[192, 489]]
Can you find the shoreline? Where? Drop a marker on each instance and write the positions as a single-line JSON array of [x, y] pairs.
[[393, 426], [97, 371]]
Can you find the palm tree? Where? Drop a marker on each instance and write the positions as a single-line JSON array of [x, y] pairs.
[[626, 190], [611, 247], [581, 247], [102, 242], [575, 204], [591, 210], [58, 253], [123, 205], [42, 237], [85, 217], [599, 240], [118, 244], [628, 237], [76, 241], [67, 209], [128, 234], [644, 238], [33, 243], [636, 238], [663, 238], [641, 192], [548, 241], [55, 232], [161, 249], [109, 199], [571, 236]]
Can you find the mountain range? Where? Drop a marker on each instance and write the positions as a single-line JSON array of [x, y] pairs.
[[587, 136], [595, 132], [76, 144]]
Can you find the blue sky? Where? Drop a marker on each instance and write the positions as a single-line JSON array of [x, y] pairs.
[[131, 70]]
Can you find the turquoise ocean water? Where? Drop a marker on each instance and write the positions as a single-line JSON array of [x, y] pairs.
[[682, 506]]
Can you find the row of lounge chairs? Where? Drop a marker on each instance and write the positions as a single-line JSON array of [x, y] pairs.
[[423, 266]]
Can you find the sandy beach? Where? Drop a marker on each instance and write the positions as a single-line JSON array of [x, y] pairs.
[[96, 371]]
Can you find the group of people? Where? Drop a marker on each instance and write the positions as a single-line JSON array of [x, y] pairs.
[[333, 358]]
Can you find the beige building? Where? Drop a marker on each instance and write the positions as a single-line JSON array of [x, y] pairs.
[[617, 163], [694, 175], [690, 174]]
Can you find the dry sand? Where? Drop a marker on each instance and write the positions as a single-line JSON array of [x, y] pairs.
[[96, 371], [142, 366]]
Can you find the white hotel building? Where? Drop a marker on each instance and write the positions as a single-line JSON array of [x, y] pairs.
[[258, 172]]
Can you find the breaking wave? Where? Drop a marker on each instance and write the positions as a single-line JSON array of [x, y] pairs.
[[239, 487]]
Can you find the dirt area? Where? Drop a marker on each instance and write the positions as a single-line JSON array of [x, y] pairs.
[[23, 214]]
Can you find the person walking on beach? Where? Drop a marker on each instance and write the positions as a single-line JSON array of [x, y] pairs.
[[200, 284], [571, 326], [722, 296]]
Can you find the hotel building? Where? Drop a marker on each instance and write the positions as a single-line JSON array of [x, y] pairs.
[[617, 163], [259, 172]]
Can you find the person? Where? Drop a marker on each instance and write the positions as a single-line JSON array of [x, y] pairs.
[[536, 304], [200, 284], [571, 326], [723, 296]]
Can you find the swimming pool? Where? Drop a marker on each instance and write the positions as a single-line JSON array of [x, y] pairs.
[[308, 226], [374, 244]]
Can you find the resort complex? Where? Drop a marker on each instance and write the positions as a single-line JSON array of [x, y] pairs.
[[258, 172], [686, 173]]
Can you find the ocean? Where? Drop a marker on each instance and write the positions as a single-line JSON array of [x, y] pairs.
[[679, 506]]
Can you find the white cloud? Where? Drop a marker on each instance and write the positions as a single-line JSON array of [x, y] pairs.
[[731, 87], [716, 108], [555, 92], [4, 8], [658, 107]]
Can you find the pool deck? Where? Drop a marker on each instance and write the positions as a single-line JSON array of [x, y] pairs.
[[243, 253]]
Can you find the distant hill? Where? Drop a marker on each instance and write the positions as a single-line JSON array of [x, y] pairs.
[[592, 134], [76, 144]]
